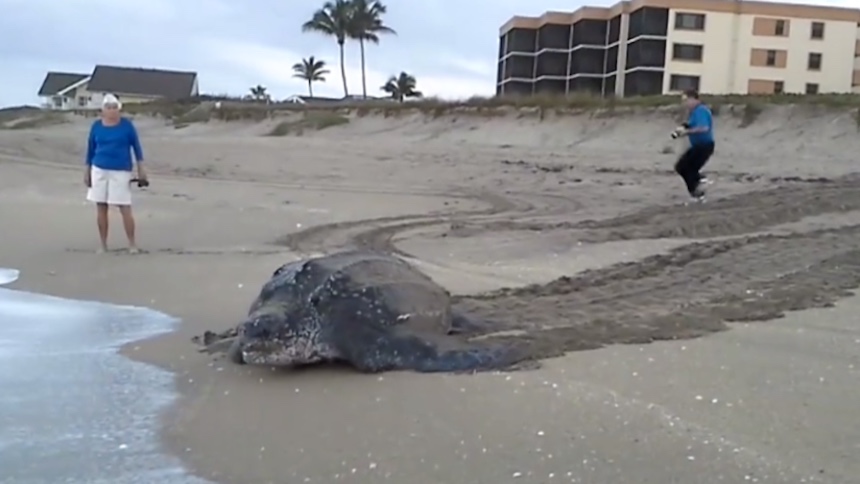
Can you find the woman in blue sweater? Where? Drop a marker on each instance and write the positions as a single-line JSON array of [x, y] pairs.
[[108, 176]]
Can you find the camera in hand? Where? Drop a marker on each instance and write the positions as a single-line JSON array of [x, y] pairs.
[[141, 182], [680, 129]]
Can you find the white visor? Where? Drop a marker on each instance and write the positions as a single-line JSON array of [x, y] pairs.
[[111, 100]]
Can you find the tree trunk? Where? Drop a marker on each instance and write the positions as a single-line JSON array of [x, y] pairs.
[[343, 71], [363, 71], [310, 88]]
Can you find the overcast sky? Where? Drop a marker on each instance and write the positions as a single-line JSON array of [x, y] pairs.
[[449, 45]]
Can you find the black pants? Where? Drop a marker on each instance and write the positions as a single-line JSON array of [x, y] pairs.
[[690, 164]]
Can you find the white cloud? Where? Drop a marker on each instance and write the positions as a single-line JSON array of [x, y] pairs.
[[272, 67]]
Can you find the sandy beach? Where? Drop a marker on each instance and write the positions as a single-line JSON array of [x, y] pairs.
[[712, 385]]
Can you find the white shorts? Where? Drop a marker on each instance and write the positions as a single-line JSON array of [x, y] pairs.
[[110, 186]]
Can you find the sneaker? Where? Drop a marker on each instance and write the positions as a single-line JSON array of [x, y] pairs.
[[705, 181], [698, 196]]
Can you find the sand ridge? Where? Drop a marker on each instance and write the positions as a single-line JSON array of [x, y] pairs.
[[589, 235]]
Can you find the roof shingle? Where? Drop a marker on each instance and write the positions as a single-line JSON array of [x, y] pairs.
[[145, 82], [57, 81]]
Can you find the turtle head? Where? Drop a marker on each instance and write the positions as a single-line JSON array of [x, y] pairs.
[[277, 339]]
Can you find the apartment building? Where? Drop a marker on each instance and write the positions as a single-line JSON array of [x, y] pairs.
[[648, 47]]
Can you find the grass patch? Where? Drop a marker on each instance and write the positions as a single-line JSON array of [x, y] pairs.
[[542, 106], [159, 109], [17, 112], [282, 129], [197, 114], [310, 122], [751, 112], [35, 121]]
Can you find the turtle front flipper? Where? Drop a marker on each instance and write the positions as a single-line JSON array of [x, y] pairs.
[[388, 352], [234, 352]]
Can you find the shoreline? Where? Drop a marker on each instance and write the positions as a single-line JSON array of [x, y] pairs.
[[224, 195], [91, 341]]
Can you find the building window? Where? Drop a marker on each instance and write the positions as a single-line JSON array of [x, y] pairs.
[[779, 28], [811, 88], [814, 61], [679, 82], [82, 101], [817, 31], [778, 87], [690, 52], [771, 58], [690, 21]]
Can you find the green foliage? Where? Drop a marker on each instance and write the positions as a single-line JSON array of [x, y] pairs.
[[402, 87], [334, 19], [310, 122], [746, 108], [350, 19], [311, 70], [33, 120], [259, 93]]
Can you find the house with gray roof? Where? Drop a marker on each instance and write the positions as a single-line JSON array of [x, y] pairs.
[[130, 84], [59, 90]]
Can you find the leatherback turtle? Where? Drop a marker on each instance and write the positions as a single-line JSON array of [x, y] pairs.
[[372, 311]]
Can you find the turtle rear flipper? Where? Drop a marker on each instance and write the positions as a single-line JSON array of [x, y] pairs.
[[386, 351], [470, 360], [461, 324]]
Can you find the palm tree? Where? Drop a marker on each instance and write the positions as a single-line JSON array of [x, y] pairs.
[[259, 93], [333, 20], [365, 26], [311, 70], [401, 87]]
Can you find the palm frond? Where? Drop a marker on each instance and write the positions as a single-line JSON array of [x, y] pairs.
[[310, 69], [333, 19], [366, 23]]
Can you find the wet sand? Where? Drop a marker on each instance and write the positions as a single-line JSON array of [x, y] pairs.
[[481, 204]]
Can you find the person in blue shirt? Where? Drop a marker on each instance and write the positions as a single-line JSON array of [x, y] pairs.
[[109, 169], [699, 129]]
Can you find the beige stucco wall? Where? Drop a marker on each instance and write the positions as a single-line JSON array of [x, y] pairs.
[[729, 41], [837, 55], [97, 98], [715, 69], [94, 99], [856, 83], [131, 99], [78, 93]]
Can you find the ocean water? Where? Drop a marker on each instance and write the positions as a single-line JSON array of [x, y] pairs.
[[72, 410]]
